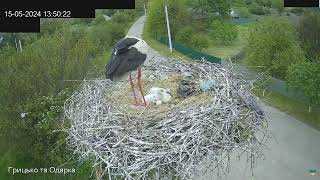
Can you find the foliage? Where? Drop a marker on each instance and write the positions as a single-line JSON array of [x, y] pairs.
[[49, 26], [12, 39], [48, 63], [243, 11], [309, 35], [214, 8], [43, 116], [124, 17], [99, 18], [106, 34], [223, 31], [121, 17], [254, 8], [273, 48], [278, 5], [298, 10], [36, 140], [264, 3], [188, 37], [199, 41], [156, 22], [185, 34], [306, 76], [238, 3]]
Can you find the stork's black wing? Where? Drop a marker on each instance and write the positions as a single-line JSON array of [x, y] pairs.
[[120, 48], [130, 61], [123, 45]]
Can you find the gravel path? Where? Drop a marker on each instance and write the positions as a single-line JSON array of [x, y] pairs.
[[294, 150]]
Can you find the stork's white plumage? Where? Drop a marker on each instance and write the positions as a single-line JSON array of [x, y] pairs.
[[155, 90], [158, 96], [128, 55]]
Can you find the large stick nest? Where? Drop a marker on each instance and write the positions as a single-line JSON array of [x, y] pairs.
[[175, 139]]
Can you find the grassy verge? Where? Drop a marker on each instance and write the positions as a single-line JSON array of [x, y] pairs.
[[227, 50], [294, 108]]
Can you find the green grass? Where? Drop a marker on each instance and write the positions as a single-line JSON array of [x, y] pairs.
[[294, 108], [228, 50]]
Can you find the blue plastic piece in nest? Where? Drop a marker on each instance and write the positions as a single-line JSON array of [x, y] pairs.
[[206, 85]]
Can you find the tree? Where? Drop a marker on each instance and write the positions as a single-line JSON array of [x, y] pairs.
[[222, 31], [272, 47], [306, 77], [214, 8], [309, 35], [156, 23]]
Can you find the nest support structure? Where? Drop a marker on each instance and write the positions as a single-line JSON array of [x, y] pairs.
[[176, 142]]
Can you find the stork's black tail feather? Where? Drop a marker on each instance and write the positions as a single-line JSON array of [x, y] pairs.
[[108, 76]]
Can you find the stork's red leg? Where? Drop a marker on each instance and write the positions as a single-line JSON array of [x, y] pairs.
[[132, 88], [140, 86]]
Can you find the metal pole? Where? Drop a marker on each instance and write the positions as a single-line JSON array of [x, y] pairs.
[[168, 26]]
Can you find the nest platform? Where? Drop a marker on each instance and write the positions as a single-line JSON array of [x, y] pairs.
[[174, 138]]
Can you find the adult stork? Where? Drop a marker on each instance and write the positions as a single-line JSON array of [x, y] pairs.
[[128, 55]]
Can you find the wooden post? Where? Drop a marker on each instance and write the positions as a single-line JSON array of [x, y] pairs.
[[15, 41], [145, 10], [168, 26], [20, 45]]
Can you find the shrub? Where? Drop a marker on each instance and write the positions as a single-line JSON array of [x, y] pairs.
[[99, 19], [199, 41], [267, 3], [306, 77], [107, 34], [309, 35], [49, 26], [43, 116], [272, 47], [121, 18], [156, 23], [254, 8], [278, 5], [243, 11], [222, 31], [185, 35], [117, 31], [297, 11]]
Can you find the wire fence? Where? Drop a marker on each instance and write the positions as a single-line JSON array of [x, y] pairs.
[[193, 54], [273, 84]]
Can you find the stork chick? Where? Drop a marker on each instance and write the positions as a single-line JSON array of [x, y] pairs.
[[158, 95]]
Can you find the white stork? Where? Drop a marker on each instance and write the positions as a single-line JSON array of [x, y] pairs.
[[128, 55]]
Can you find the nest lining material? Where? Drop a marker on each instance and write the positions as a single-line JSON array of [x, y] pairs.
[[121, 96], [173, 138]]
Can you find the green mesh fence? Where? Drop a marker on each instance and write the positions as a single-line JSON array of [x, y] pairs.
[[193, 54], [281, 87]]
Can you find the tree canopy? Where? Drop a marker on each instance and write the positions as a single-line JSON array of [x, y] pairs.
[[272, 47]]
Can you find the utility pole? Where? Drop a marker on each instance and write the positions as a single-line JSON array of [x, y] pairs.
[[168, 25]]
